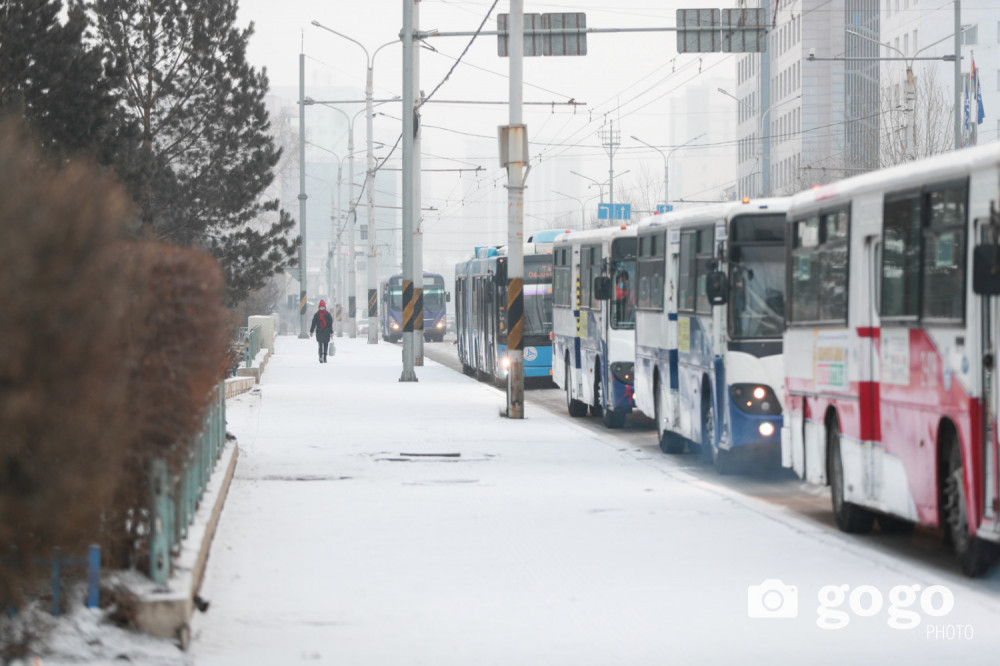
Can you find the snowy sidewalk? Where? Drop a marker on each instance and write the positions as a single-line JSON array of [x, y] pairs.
[[519, 542]]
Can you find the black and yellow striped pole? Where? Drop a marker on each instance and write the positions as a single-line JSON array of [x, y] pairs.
[[372, 314]]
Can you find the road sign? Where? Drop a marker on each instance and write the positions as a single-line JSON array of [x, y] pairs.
[[606, 211], [664, 208], [563, 34], [698, 30], [743, 31]]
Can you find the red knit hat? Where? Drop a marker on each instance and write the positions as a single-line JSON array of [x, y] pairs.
[[322, 304]]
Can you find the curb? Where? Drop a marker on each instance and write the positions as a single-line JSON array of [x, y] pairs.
[[166, 612]]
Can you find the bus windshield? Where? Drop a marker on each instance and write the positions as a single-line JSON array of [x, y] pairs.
[[395, 294], [434, 294], [537, 296], [623, 283], [757, 295]]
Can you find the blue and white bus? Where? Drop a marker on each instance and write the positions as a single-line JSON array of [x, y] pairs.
[[593, 345], [481, 315], [435, 300], [709, 323]]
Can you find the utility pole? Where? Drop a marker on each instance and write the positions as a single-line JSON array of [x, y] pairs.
[[418, 239], [408, 116], [516, 136], [372, 264], [611, 139], [958, 74], [303, 326], [352, 329]]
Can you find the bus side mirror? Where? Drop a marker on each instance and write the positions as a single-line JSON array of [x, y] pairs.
[[602, 288], [447, 297], [717, 287], [986, 270], [500, 278]]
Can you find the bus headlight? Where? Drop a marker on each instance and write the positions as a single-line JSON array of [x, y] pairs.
[[505, 363], [394, 326], [755, 398], [766, 429], [440, 324], [624, 372]]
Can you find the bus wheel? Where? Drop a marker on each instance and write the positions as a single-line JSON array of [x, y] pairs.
[[574, 407], [850, 517], [612, 418], [707, 444], [974, 555], [670, 442], [597, 409]]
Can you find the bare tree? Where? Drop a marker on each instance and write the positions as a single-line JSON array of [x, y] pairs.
[[930, 114]]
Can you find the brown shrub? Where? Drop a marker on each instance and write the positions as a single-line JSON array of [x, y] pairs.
[[182, 344], [109, 349], [62, 380]]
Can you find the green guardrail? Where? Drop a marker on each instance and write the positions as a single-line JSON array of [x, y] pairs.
[[252, 345], [176, 494]]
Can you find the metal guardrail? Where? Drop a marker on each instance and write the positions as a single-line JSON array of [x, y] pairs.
[[252, 345], [176, 494]]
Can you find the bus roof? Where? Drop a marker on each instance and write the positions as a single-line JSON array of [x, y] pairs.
[[903, 176], [716, 211], [547, 236], [603, 233]]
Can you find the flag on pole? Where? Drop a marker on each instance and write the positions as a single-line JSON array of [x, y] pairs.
[[966, 112], [979, 94]]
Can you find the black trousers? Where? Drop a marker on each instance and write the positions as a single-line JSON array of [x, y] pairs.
[[323, 344]]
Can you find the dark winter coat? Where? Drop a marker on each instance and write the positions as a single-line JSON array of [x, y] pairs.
[[322, 324]]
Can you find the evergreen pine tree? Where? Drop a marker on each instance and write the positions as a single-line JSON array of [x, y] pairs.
[[206, 155], [58, 83]]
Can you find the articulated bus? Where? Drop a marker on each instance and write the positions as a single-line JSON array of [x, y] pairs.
[[593, 327], [481, 315], [710, 318], [435, 305], [891, 344]]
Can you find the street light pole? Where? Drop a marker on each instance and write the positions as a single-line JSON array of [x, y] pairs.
[[580, 200], [303, 326], [372, 264], [666, 190]]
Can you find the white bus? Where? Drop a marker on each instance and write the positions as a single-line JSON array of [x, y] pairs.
[[890, 352], [708, 363], [593, 321]]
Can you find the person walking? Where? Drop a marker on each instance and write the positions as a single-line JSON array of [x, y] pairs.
[[322, 324]]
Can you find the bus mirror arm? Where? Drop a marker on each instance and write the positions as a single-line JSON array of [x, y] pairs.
[[986, 259]]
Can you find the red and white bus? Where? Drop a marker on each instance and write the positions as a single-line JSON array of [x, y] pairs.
[[891, 390]]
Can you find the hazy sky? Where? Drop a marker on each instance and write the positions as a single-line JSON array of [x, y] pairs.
[[627, 78]]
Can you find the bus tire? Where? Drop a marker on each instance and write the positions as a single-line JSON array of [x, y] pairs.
[[612, 418], [575, 408], [975, 556], [597, 409], [670, 442], [707, 443], [850, 518]]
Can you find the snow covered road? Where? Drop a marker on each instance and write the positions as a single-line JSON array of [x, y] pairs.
[[529, 542]]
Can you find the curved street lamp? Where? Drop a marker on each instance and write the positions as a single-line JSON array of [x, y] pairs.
[[372, 254], [666, 160]]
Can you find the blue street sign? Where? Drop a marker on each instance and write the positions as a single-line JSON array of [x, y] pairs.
[[623, 211], [603, 211], [664, 208]]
